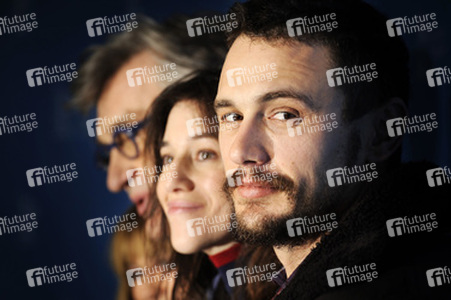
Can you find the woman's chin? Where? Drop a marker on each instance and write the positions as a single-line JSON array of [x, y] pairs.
[[186, 246]]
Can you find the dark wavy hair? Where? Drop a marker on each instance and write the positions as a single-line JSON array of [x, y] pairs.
[[361, 38], [195, 271]]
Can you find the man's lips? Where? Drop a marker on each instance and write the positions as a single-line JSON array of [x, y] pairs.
[[181, 206], [141, 201], [255, 190]]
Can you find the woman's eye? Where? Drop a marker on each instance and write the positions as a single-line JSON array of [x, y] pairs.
[[204, 155], [231, 117], [283, 115], [167, 159]]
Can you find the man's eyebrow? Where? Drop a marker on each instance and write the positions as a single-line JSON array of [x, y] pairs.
[[221, 103], [307, 100]]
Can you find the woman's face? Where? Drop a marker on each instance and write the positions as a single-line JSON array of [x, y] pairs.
[[196, 190]]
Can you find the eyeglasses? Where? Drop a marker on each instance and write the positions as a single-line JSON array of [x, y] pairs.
[[125, 142]]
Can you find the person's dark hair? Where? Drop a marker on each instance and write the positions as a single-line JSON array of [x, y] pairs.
[[252, 256], [128, 248], [195, 272], [198, 87], [169, 42], [361, 38]]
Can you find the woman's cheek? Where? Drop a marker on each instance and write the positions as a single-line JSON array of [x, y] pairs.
[[161, 195]]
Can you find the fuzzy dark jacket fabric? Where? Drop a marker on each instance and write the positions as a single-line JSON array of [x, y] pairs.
[[362, 238]]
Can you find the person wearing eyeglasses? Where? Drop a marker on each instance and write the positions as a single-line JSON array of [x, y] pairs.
[[103, 83], [124, 140]]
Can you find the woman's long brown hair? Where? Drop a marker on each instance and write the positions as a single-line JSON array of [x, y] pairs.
[[195, 271]]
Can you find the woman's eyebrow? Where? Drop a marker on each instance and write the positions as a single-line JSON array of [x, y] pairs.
[[204, 135]]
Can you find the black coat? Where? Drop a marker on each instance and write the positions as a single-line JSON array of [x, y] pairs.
[[361, 238]]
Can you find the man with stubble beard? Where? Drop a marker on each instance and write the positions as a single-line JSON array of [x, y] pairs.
[[351, 175]]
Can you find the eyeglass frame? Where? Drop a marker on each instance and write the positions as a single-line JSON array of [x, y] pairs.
[[102, 149]]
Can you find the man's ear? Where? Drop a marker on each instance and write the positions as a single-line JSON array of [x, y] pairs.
[[377, 143]]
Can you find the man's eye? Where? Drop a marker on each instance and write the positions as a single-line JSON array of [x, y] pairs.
[[204, 155], [119, 140], [231, 117], [167, 159], [283, 115]]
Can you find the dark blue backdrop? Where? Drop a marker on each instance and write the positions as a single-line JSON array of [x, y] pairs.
[[61, 137]]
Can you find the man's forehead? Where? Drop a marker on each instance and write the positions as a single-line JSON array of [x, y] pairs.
[[299, 68], [292, 61], [118, 98], [251, 50], [135, 113]]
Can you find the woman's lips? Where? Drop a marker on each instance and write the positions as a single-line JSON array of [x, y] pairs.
[[178, 207]]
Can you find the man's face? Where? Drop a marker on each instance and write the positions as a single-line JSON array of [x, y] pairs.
[[118, 99], [262, 110]]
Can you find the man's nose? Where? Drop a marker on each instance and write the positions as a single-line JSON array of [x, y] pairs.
[[117, 168], [250, 144]]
